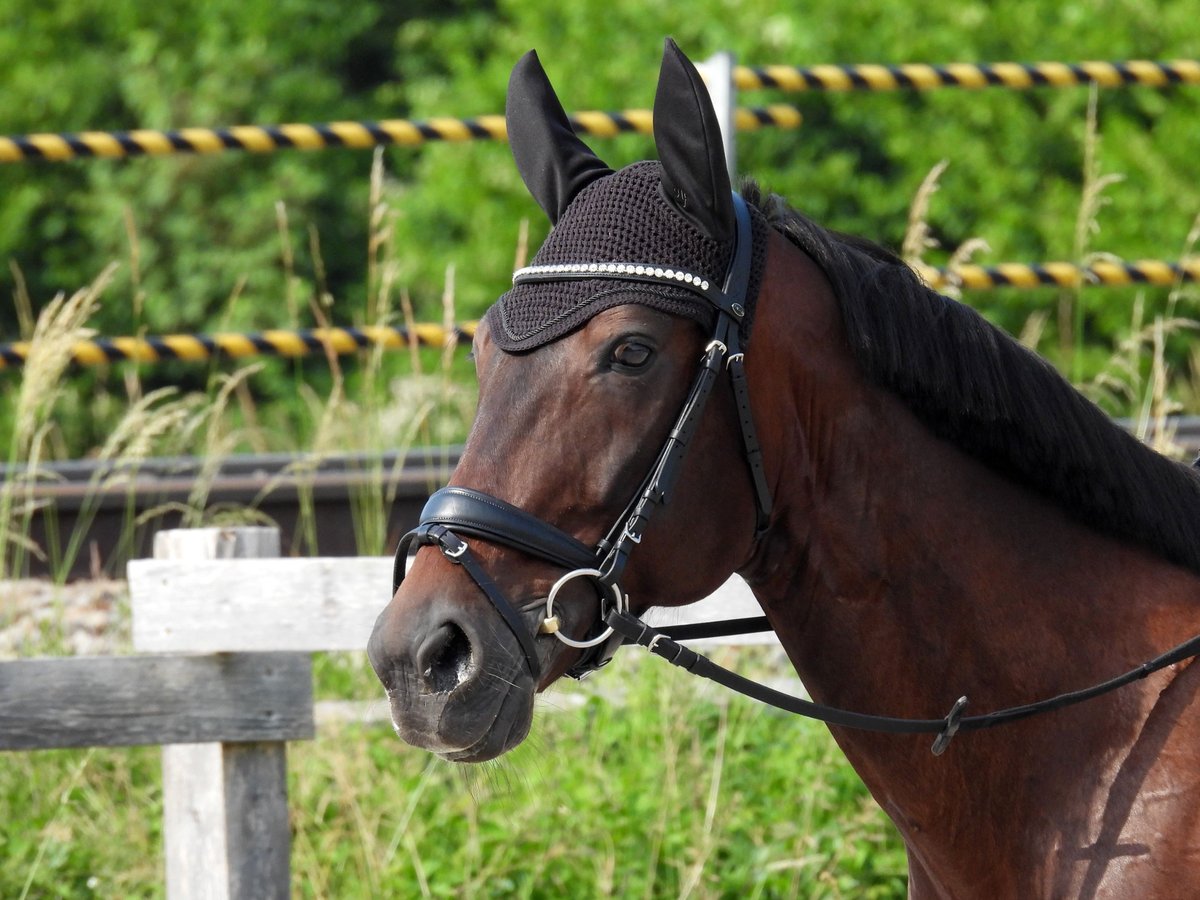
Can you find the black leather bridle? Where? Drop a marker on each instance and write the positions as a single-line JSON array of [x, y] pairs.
[[453, 513]]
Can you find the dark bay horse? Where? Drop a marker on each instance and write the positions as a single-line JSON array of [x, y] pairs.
[[924, 510]]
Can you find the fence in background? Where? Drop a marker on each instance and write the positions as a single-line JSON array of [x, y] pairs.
[[386, 132], [341, 341], [224, 720], [224, 630], [274, 342], [922, 77], [724, 78]]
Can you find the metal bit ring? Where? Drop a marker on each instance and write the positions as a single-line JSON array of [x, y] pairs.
[[618, 599]]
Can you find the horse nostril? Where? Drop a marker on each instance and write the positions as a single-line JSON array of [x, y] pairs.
[[444, 659]]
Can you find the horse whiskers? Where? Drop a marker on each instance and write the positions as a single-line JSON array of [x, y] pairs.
[[499, 678]]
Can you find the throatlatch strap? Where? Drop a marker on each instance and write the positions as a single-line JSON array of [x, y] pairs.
[[741, 395]]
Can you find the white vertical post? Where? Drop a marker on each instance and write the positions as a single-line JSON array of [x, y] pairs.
[[717, 72], [225, 813]]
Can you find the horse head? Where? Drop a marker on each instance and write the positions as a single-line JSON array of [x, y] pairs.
[[583, 368]]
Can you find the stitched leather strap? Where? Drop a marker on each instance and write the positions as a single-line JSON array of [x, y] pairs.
[[477, 514], [632, 523], [741, 396]]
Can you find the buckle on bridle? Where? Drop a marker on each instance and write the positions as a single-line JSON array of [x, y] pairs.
[[953, 720], [634, 537], [451, 551]]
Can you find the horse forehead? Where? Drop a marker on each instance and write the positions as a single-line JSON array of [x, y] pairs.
[[559, 368]]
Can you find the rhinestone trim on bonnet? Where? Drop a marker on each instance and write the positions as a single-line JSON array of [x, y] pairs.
[[643, 269], [591, 259]]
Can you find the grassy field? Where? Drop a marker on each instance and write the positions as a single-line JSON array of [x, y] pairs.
[[637, 784]]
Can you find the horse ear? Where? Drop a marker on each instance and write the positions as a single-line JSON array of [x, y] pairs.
[[688, 138], [554, 163]]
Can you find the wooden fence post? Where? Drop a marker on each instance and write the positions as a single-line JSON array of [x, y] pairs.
[[225, 812]]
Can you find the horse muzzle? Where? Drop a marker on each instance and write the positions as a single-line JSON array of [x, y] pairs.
[[454, 686]]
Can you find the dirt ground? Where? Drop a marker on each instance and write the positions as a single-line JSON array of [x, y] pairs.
[[40, 618]]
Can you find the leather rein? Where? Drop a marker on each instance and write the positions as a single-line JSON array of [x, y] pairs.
[[454, 512]]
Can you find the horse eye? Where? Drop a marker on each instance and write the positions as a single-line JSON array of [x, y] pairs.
[[631, 354]]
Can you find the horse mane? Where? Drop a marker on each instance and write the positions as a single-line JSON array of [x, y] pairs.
[[973, 385]]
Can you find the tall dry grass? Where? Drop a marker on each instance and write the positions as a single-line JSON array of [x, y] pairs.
[[918, 238], [58, 328], [384, 413]]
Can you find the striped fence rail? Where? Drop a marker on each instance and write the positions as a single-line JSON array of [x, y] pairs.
[[920, 76], [341, 341], [56, 147], [60, 147], [1100, 273], [273, 342]]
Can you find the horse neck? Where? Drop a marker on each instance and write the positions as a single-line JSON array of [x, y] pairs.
[[901, 574]]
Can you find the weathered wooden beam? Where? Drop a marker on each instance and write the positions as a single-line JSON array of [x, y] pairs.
[[225, 821], [225, 817], [201, 606], [124, 701]]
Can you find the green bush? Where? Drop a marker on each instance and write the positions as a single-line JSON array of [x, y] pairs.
[[201, 239]]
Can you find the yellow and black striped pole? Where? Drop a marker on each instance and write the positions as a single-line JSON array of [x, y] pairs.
[[920, 76], [1110, 273], [398, 132], [278, 342], [275, 342], [413, 133]]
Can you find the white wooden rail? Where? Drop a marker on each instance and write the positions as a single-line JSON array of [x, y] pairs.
[[240, 605]]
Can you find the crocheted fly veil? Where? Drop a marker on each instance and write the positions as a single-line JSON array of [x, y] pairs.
[[657, 234]]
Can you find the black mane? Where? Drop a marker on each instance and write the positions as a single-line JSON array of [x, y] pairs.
[[976, 387]]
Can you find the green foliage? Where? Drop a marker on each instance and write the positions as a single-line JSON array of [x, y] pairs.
[[203, 244], [200, 224], [207, 226], [1015, 158]]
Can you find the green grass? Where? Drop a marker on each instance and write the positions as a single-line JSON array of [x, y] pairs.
[[666, 792]]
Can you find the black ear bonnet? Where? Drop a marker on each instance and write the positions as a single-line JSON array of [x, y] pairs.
[[617, 219]]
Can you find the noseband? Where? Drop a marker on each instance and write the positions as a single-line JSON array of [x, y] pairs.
[[454, 512]]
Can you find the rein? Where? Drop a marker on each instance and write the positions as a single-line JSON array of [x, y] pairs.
[[455, 511]]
